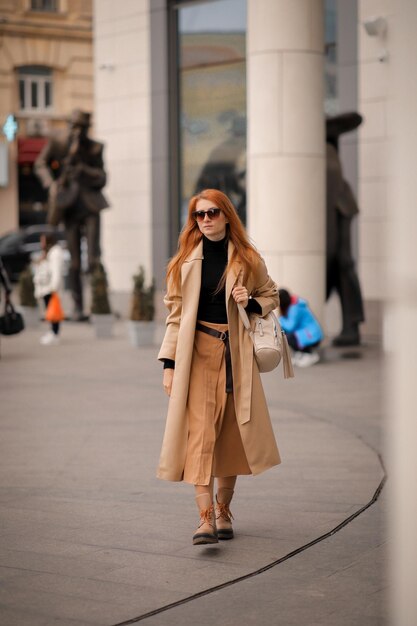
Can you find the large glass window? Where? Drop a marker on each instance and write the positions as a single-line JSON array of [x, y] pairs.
[[212, 100], [35, 89]]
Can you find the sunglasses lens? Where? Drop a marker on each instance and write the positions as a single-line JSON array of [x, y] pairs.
[[211, 214]]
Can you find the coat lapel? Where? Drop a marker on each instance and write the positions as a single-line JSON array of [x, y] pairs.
[[191, 272], [233, 275], [196, 253]]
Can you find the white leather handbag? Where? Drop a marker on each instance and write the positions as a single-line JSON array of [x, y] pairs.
[[270, 344]]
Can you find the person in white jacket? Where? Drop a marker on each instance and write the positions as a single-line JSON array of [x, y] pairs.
[[48, 279]]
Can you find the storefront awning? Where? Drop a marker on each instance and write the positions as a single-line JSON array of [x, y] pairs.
[[28, 148]]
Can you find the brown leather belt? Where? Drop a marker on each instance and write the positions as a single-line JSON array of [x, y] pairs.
[[224, 336]]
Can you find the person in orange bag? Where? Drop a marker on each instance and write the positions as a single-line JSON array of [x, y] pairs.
[[48, 279]]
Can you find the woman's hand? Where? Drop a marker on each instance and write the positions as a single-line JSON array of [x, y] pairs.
[[167, 380], [240, 295]]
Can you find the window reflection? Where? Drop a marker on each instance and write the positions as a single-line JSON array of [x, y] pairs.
[[331, 88], [212, 90]]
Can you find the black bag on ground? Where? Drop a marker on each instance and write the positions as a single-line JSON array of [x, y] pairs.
[[11, 322]]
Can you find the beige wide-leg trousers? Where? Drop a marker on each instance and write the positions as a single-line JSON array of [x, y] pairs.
[[214, 444]]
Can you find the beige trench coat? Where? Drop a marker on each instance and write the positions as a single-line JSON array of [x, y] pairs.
[[250, 404]]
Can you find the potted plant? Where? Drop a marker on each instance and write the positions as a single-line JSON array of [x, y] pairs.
[[28, 302], [101, 314], [141, 320]]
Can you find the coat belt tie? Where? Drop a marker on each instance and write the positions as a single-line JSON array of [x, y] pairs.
[[224, 336]]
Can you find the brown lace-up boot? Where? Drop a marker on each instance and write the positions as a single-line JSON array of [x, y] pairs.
[[206, 531], [223, 514]]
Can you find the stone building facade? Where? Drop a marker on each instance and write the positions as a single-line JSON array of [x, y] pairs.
[[46, 70]]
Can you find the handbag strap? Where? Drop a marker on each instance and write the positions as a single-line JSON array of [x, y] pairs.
[[8, 306], [245, 319]]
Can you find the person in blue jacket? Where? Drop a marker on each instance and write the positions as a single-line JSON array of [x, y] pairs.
[[303, 331]]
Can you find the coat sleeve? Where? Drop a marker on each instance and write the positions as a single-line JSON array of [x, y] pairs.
[[173, 301], [57, 268], [265, 290]]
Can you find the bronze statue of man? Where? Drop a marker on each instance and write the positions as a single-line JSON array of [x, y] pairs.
[[341, 208], [71, 167]]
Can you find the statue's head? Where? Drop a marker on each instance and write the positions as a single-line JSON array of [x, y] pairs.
[[79, 123]]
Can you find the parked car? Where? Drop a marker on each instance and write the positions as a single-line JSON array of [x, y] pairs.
[[17, 248]]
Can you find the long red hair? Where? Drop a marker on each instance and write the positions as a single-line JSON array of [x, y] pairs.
[[191, 236]]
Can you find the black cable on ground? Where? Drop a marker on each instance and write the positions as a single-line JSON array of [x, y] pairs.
[[290, 555]]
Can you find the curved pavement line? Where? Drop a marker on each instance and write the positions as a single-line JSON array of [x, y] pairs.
[[290, 555]]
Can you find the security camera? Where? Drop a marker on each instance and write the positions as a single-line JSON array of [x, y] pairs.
[[375, 26], [383, 56], [106, 66]]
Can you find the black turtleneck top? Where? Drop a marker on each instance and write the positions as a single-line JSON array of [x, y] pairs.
[[212, 305]]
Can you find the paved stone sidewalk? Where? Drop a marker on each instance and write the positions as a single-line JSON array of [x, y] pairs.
[[89, 536]]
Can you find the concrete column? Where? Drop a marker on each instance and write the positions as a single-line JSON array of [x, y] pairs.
[[123, 122], [373, 152], [160, 148], [286, 167], [402, 289]]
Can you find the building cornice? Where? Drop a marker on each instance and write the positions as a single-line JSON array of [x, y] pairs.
[[20, 28]]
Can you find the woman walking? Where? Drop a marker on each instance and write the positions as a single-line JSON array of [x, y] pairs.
[[48, 279], [218, 425]]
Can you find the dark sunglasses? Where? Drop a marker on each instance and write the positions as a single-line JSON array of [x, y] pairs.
[[212, 214]]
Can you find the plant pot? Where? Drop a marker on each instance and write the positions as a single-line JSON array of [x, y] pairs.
[[103, 325], [30, 316], [141, 333]]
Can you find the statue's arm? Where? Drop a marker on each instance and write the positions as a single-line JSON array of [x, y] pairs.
[[41, 166], [343, 123]]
